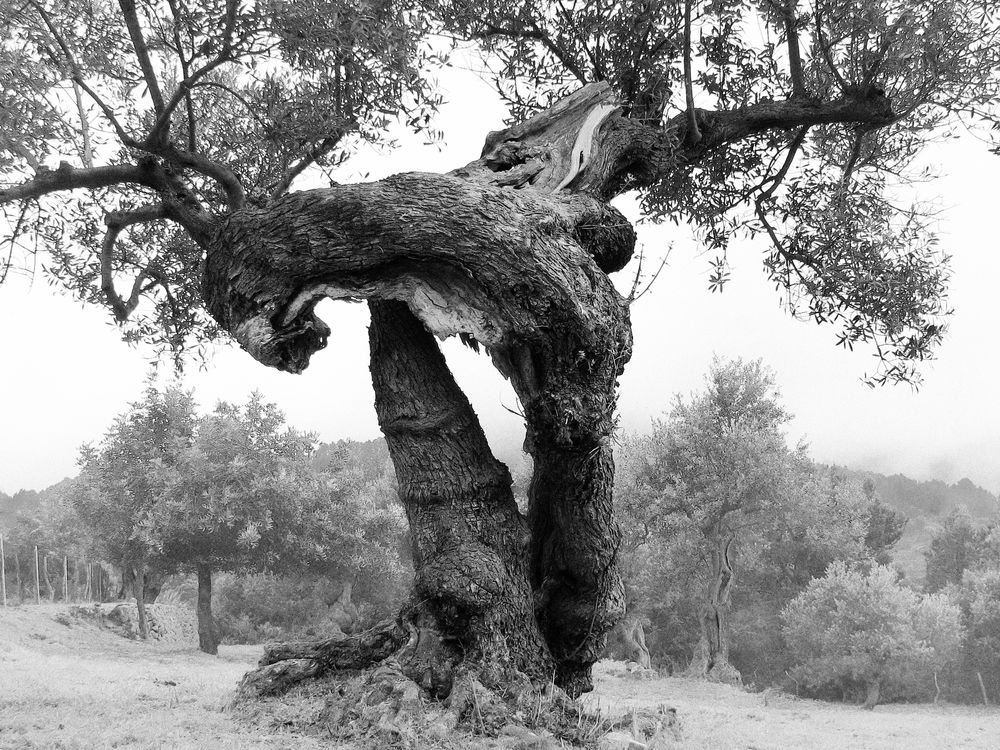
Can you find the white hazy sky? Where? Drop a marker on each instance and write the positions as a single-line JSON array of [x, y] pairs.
[[65, 373]]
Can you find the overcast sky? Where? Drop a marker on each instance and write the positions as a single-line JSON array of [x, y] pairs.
[[65, 373]]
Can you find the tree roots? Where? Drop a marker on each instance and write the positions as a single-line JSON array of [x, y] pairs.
[[378, 694]]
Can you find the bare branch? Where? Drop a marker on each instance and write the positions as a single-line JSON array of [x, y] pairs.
[[67, 177], [88, 152], [142, 53], [783, 171], [116, 222], [185, 72], [227, 179], [693, 135]]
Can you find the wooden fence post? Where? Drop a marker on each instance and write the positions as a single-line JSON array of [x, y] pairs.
[[3, 572], [38, 586]]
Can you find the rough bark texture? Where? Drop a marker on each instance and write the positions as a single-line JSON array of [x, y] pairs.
[[499, 253], [469, 539], [286, 664], [208, 638]]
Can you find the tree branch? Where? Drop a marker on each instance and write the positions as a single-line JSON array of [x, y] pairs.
[[162, 125], [142, 53], [561, 54], [693, 135], [794, 55], [116, 222], [232, 187], [317, 152], [185, 72], [824, 48], [88, 152], [77, 76], [67, 177]]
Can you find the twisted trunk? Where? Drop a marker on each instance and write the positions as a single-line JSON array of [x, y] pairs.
[[469, 539], [491, 253], [712, 655]]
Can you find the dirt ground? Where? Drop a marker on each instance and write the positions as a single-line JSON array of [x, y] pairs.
[[77, 686]]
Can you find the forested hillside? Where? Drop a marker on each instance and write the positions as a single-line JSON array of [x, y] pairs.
[[926, 505]]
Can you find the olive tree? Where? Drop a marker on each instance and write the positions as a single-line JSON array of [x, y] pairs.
[[864, 628], [156, 144]]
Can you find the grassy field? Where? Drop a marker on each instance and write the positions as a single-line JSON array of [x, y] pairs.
[[76, 686]]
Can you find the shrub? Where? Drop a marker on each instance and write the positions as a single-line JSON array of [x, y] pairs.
[[851, 630]]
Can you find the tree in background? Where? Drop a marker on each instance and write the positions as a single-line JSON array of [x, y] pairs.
[[718, 464], [822, 519], [242, 495], [885, 525], [714, 498], [186, 125], [48, 521], [117, 493], [245, 496], [958, 546], [856, 628]]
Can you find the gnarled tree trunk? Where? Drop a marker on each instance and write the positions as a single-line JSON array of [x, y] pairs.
[[628, 641], [711, 658], [469, 539], [500, 253]]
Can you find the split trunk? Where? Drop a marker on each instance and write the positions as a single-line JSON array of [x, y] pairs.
[[512, 253]]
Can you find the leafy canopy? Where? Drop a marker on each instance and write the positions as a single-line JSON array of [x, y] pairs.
[[798, 123], [864, 627], [232, 490]]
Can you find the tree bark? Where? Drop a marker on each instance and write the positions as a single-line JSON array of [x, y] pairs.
[[497, 253], [469, 539], [712, 655], [208, 639], [139, 583]]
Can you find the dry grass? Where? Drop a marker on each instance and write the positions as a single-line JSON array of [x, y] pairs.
[[718, 717], [77, 686]]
